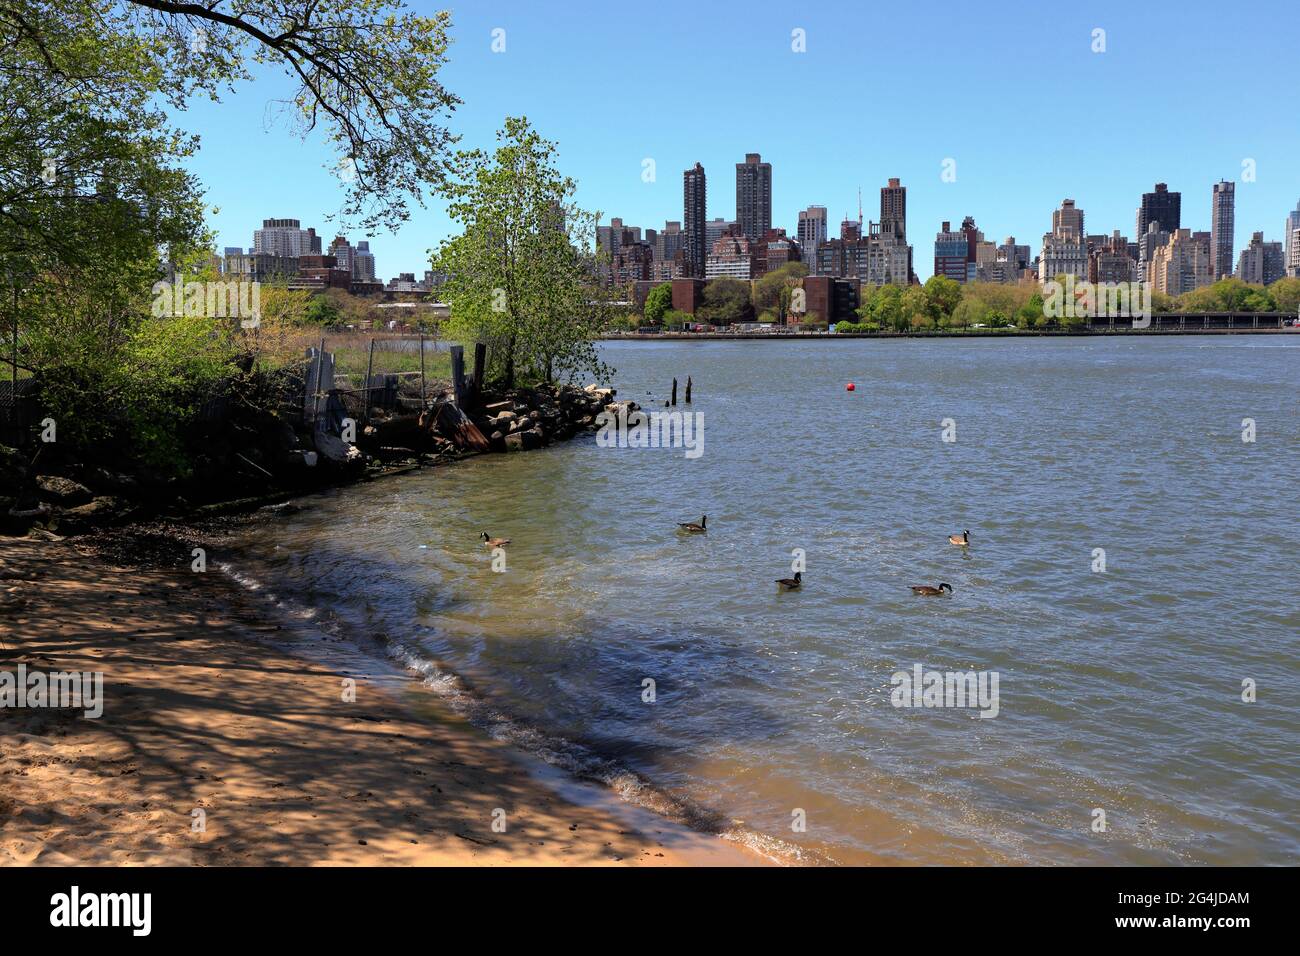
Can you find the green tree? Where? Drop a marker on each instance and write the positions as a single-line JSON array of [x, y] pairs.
[[726, 302], [942, 295], [1286, 295], [517, 278], [658, 303]]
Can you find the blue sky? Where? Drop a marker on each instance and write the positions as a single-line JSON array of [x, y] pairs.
[[1183, 94]]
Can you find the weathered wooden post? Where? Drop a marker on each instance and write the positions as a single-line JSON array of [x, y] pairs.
[[422, 400], [688, 389], [365, 388], [315, 407], [674, 398], [480, 365], [458, 373]]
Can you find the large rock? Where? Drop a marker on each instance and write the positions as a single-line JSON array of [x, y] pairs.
[[336, 450], [63, 490]]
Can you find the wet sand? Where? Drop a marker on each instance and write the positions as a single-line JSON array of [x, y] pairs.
[[208, 707]]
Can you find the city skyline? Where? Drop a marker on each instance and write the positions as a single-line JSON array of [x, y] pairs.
[[1012, 164]]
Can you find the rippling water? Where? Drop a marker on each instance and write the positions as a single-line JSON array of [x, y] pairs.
[[1119, 691]]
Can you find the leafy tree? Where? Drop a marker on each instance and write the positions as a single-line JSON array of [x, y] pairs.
[[517, 279], [93, 191], [942, 295], [658, 303], [726, 302], [1286, 295], [773, 291]]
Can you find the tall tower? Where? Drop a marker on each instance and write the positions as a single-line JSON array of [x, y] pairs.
[[1161, 206], [893, 209], [1067, 222], [1223, 216], [812, 231], [754, 196], [694, 206]]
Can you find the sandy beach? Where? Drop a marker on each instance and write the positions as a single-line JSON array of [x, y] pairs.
[[208, 708]]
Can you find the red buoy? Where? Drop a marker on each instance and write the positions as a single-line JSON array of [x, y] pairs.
[[849, 387]]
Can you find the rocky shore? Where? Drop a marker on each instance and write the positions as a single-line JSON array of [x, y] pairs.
[[255, 455]]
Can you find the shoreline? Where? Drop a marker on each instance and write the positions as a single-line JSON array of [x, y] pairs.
[[929, 334], [211, 706]]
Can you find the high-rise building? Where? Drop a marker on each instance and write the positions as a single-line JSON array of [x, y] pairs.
[[666, 243], [1292, 248], [1161, 206], [715, 228], [285, 237], [754, 197], [812, 230], [1109, 260], [733, 256], [1065, 248], [363, 262], [1067, 221], [694, 206], [1221, 225], [893, 210], [342, 252], [952, 254], [1180, 265], [1261, 263]]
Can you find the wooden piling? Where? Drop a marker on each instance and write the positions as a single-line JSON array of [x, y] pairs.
[[458, 374], [674, 398], [365, 390], [480, 368], [688, 389]]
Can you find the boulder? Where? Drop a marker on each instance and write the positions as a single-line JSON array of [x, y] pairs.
[[65, 491], [336, 450]]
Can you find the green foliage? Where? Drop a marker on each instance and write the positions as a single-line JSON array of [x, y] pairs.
[[1286, 295], [772, 292], [658, 303], [1227, 295], [322, 310], [725, 302], [517, 279]]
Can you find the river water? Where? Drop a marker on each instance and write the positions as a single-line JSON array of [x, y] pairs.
[[1121, 735]]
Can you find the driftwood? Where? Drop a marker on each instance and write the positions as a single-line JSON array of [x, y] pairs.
[[450, 421]]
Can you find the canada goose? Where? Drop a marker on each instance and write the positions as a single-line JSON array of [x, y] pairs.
[[494, 542], [960, 540], [791, 584], [690, 527], [929, 591]]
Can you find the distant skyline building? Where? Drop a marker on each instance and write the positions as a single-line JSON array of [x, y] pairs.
[[1160, 206], [812, 231], [893, 209], [714, 229], [287, 238], [1067, 221], [363, 262], [1261, 263], [1290, 243], [754, 197], [1065, 248], [732, 256], [1222, 222], [953, 254], [694, 212], [1182, 264]]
